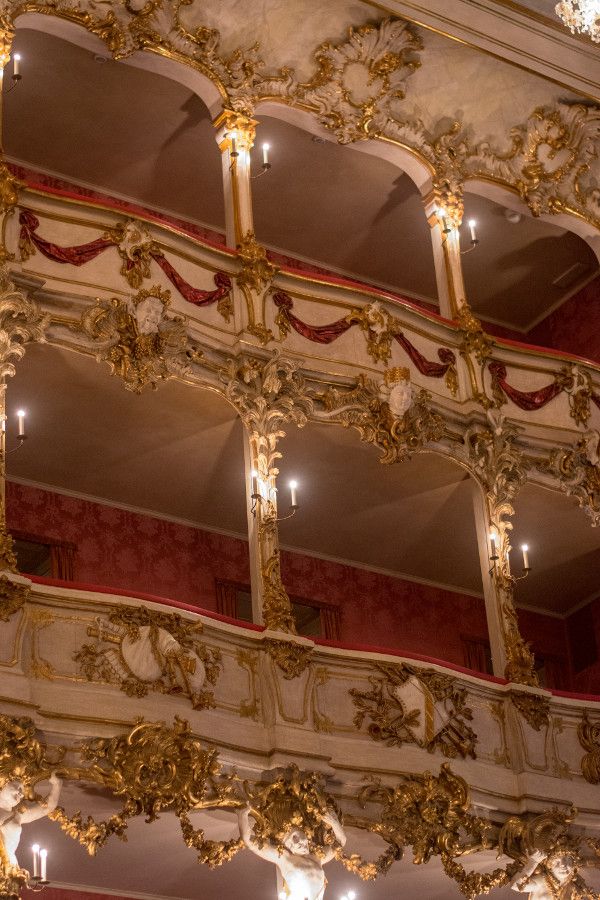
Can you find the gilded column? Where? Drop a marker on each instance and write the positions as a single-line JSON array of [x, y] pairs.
[[9, 185], [235, 136], [500, 468], [268, 395], [20, 322]]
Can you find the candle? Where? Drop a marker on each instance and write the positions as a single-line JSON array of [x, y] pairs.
[[16, 61], [293, 486], [442, 215], [472, 224], [233, 147], [525, 550], [21, 418], [254, 483], [36, 860], [265, 154], [43, 858], [493, 546], [3, 423]]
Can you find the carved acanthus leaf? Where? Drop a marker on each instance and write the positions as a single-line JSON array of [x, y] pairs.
[[535, 708], [291, 657], [588, 733], [139, 341], [578, 472], [20, 322], [409, 705], [363, 408]]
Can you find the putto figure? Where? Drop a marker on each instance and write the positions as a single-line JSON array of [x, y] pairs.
[[301, 868], [16, 812], [550, 877]]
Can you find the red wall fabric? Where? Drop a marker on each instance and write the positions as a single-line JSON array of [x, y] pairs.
[[588, 680], [130, 551], [575, 326]]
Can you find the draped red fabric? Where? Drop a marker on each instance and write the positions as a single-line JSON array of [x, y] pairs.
[[320, 334], [523, 399], [425, 366], [76, 256], [191, 294]]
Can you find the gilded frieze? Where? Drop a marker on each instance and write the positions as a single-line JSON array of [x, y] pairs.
[[409, 705], [142, 650]]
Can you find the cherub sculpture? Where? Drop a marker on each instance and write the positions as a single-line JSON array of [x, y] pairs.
[[295, 827], [16, 812]]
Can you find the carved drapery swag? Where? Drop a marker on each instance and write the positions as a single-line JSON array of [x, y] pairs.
[[136, 248], [142, 650], [498, 462], [408, 705]]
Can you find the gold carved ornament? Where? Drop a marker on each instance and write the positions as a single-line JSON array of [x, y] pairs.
[[498, 463], [175, 663], [139, 341], [292, 658], [268, 394], [589, 737], [396, 436], [153, 768], [254, 278], [535, 708], [578, 472], [408, 705]]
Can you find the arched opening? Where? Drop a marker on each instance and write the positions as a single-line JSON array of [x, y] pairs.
[[146, 492]]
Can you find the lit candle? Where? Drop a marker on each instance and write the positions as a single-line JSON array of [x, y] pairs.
[[472, 224], [3, 423], [254, 483], [293, 486], [233, 147], [43, 858], [351, 895], [442, 215], [21, 418], [493, 545], [16, 61], [525, 550], [36, 860], [265, 154]]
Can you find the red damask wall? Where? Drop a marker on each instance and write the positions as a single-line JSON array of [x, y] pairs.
[[575, 326], [129, 551]]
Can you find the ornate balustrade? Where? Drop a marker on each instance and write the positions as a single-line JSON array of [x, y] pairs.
[[80, 661]]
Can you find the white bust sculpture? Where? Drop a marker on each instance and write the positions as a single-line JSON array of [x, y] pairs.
[[14, 813], [149, 314], [548, 877], [300, 868], [397, 391]]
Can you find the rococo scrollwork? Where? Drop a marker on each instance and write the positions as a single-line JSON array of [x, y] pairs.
[[143, 650], [408, 705]]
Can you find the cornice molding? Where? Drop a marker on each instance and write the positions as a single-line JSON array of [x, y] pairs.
[[511, 33]]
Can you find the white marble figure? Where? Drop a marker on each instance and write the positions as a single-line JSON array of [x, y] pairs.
[[397, 391], [15, 812], [548, 877], [149, 314], [301, 870]]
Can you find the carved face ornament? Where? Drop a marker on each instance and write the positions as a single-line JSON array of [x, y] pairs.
[[148, 315], [297, 843], [11, 794]]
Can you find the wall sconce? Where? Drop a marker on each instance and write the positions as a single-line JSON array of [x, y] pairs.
[[474, 239], [256, 497], [16, 74], [441, 214], [38, 881], [266, 165], [21, 436]]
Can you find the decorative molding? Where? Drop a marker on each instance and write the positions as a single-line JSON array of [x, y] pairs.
[[151, 651], [366, 407], [140, 342], [578, 472], [409, 705], [588, 733], [291, 657], [535, 708]]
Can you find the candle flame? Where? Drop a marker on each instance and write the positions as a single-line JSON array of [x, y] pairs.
[[525, 548], [35, 848], [293, 484], [21, 412], [472, 223]]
